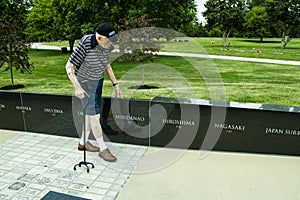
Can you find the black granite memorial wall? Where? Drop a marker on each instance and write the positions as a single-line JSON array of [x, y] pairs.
[[161, 122], [129, 117], [176, 125], [259, 131], [12, 111], [50, 114]]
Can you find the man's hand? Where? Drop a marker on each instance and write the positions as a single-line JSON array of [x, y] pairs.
[[79, 92], [117, 92]]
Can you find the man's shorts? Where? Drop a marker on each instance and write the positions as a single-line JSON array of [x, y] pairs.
[[94, 90]]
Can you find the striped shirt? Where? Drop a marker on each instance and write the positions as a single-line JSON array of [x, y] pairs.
[[89, 59]]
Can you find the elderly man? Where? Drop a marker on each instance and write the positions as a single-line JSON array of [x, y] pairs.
[[85, 69]]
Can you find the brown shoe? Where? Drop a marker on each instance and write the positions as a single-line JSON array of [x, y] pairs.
[[89, 147], [107, 155]]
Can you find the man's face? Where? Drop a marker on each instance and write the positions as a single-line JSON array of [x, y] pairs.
[[104, 41]]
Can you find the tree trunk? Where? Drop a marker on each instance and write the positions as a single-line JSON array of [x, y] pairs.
[[288, 40], [71, 43], [11, 74], [143, 75], [283, 40], [121, 46], [261, 38], [11, 65], [225, 38]]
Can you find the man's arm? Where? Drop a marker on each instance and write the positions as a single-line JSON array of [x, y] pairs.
[[79, 92], [111, 74], [113, 80]]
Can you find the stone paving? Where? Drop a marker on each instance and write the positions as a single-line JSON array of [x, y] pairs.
[[33, 164]]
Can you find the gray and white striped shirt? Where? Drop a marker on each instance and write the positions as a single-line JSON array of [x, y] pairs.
[[89, 59]]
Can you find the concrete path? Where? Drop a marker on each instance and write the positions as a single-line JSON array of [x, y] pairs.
[[261, 60], [42, 46], [219, 176]]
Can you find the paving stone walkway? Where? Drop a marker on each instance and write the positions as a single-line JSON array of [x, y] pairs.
[[33, 164]]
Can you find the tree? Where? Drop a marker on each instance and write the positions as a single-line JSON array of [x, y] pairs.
[[197, 30], [226, 14], [14, 44], [40, 21], [64, 19], [284, 15], [171, 14], [70, 19], [137, 42], [256, 22]]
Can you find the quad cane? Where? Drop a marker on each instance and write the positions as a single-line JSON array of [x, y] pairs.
[[84, 135]]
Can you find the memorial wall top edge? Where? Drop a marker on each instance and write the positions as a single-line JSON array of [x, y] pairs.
[[200, 102], [242, 105]]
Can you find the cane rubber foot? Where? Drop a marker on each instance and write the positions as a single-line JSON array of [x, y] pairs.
[[85, 164]]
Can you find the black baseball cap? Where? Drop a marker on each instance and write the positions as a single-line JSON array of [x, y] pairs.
[[107, 30]]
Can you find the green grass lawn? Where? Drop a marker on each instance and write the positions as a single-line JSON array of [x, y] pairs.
[[175, 77]]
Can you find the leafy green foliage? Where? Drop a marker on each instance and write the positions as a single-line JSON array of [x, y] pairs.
[[137, 41], [14, 44], [226, 14], [70, 19], [257, 22], [284, 16], [40, 21]]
